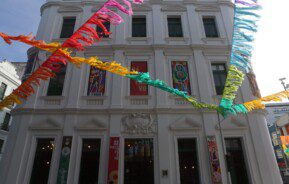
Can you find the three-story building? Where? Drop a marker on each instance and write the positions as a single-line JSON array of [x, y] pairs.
[[91, 126]]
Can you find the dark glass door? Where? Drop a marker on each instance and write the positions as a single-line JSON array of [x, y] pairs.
[[42, 161], [236, 161], [89, 167], [139, 161], [188, 161]]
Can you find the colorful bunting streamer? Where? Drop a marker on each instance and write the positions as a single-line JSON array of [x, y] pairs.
[[244, 27], [84, 36], [243, 35]]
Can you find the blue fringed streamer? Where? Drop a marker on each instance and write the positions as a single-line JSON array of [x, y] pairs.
[[245, 26]]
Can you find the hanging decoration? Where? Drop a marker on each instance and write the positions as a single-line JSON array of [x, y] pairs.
[[244, 27], [285, 144], [245, 18], [84, 36]]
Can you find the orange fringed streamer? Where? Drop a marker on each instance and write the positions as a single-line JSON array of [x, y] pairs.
[[30, 40], [84, 36], [9, 101], [257, 104]]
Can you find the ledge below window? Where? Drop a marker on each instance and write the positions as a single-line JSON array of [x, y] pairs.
[[94, 100], [179, 100], [139, 39], [52, 100], [213, 40], [177, 39], [138, 100]]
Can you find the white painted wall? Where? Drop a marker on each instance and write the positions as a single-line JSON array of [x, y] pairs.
[[75, 114]]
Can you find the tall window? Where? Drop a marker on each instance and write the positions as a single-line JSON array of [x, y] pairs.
[[5, 124], [139, 27], [188, 161], [96, 82], [100, 31], [42, 161], [180, 74], [139, 161], [235, 161], [67, 27], [89, 167], [175, 27], [56, 84], [3, 88], [1, 145], [210, 27], [135, 87], [220, 75]]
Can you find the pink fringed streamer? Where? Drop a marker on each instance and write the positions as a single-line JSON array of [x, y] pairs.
[[247, 3]]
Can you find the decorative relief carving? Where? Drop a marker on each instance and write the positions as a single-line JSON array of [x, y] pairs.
[[138, 123]]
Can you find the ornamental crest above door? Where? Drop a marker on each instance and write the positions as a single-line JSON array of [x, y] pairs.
[[138, 124]]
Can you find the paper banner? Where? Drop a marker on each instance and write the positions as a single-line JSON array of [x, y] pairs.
[[245, 18], [214, 160], [64, 160], [137, 88], [84, 36], [113, 161], [96, 82]]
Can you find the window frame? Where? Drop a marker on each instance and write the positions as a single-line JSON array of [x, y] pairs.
[[131, 26], [212, 75], [182, 26], [32, 151], [109, 30], [243, 139], [217, 27], [195, 135], [4, 91], [122, 154], [62, 23], [63, 87], [77, 147], [129, 83]]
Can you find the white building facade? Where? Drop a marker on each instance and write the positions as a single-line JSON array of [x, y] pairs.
[[90, 126], [9, 80]]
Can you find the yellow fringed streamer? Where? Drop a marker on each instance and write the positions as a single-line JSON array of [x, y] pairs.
[[233, 82], [9, 101], [276, 97], [255, 104], [258, 104], [112, 66]]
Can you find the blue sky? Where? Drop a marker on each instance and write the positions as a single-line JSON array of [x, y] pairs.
[[270, 60], [18, 17]]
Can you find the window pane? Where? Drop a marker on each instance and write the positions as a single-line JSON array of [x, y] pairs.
[[3, 88], [188, 161], [220, 75], [236, 161], [100, 32], [89, 167], [42, 161], [67, 27], [135, 87], [56, 84], [175, 27], [180, 73], [1, 145], [139, 161], [96, 82], [5, 124], [210, 27], [139, 27]]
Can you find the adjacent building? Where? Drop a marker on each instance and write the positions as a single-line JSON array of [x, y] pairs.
[[90, 126], [278, 125], [9, 80]]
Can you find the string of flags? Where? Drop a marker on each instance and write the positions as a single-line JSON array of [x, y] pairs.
[[245, 18]]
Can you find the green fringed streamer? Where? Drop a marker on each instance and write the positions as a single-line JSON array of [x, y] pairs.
[[240, 108], [146, 79], [234, 80]]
